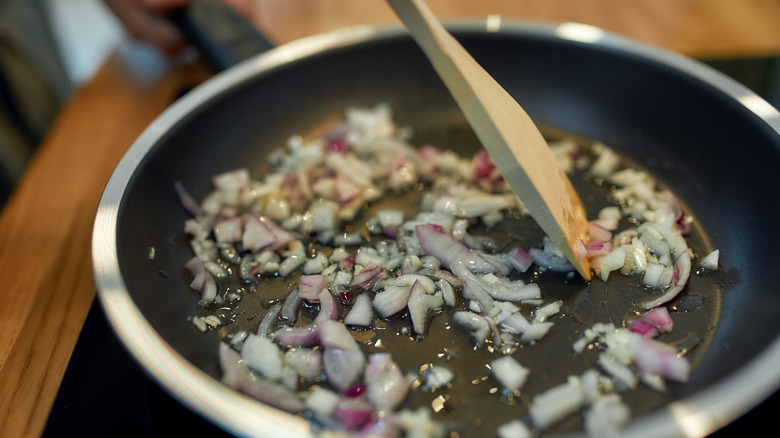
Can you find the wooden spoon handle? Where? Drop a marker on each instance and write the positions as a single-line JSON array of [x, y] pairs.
[[505, 130]]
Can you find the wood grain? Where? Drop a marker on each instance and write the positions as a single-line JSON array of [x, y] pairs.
[[45, 228], [700, 28], [507, 133], [46, 232]]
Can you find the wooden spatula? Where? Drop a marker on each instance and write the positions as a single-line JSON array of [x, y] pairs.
[[505, 130]]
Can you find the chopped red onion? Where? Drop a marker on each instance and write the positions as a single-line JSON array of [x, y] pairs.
[[513, 429], [597, 249], [352, 413], [307, 362], [392, 300], [366, 275], [310, 286], [263, 355], [298, 336], [605, 264], [683, 271], [290, 306], [380, 428], [606, 416], [229, 230], [269, 321], [473, 288], [543, 313], [619, 371], [476, 324], [309, 335], [187, 200], [196, 268], [653, 322], [257, 236], [329, 181], [342, 359], [658, 358], [236, 374], [515, 323], [509, 372], [710, 261], [436, 242], [335, 144], [386, 384], [420, 304], [558, 402], [550, 257], [535, 331], [520, 259], [322, 401], [361, 313], [209, 291], [597, 233], [231, 184]]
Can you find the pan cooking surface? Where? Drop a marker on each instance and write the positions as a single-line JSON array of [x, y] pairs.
[[591, 91], [476, 402]]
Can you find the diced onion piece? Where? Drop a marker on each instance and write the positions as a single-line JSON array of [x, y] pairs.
[[361, 313], [477, 325], [309, 335], [322, 401], [509, 372], [420, 304], [290, 306], [263, 355], [352, 412], [657, 358], [618, 370], [606, 163], [710, 261], [555, 404], [306, 361], [392, 300], [610, 262], [545, 312], [342, 359], [310, 286], [390, 218], [515, 323], [606, 416], [386, 385], [229, 230], [236, 374], [520, 259], [653, 322], [436, 242], [536, 331], [368, 273], [196, 268], [550, 257], [269, 321], [513, 429]]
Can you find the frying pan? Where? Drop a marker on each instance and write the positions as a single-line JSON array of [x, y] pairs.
[[712, 141]]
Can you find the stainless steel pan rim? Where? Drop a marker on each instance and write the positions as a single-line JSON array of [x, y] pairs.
[[697, 415]]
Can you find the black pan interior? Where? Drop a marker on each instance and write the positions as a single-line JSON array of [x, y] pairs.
[[717, 156]]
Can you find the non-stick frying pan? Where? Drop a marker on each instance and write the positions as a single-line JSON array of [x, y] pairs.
[[713, 142]]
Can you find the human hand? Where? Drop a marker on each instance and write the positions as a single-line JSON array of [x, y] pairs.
[[145, 20]]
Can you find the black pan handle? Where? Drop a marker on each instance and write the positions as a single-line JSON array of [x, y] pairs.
[[222, 36]]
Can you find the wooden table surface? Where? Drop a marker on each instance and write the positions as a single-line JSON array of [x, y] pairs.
[[45, 229]]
